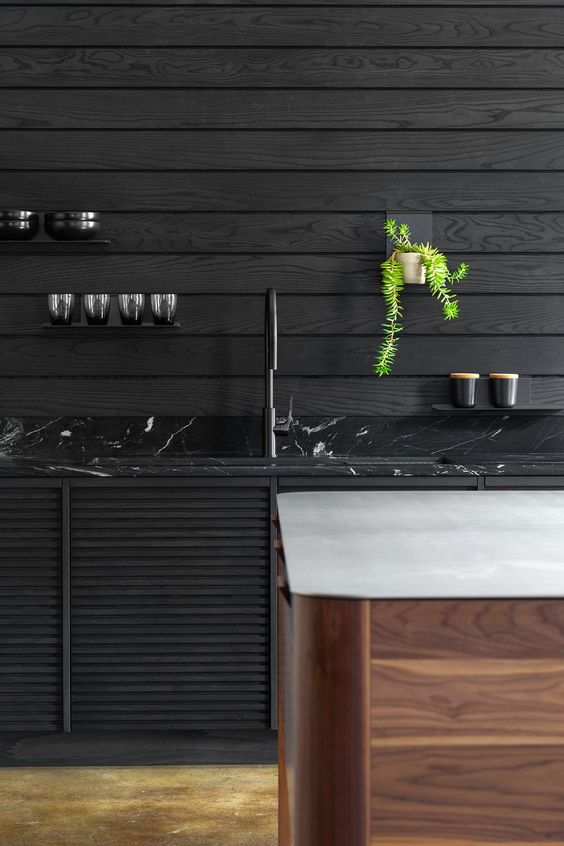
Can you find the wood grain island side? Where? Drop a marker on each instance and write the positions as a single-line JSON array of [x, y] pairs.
[[421, 668]]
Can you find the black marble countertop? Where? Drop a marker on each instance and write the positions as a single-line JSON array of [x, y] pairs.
[[315, 447], [377, 466]]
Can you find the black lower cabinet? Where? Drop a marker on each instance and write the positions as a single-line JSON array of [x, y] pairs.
[[30, 605], [132, 604], [170, 604]]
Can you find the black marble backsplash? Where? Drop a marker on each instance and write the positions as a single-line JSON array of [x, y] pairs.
[[472, 437]]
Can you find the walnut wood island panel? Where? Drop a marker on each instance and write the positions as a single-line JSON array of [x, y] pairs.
[[421, 668]]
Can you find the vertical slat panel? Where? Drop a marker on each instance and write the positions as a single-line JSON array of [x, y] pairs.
[[170, 605], [30, 606]]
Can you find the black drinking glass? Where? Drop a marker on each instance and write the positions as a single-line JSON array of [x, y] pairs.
[[61, 308], [131, 308], [97, 308], [164, 308]]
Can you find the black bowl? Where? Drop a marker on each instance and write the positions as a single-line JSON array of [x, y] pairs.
[[17, 225], [72, 226]]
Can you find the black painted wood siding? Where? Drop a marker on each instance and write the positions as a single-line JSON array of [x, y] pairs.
[[233, 147], [170, 600]]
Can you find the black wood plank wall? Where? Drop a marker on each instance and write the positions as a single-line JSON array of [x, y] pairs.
[[233, 147]]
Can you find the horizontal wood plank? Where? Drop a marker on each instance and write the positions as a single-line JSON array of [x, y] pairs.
[[460, 701], [498, 233], [317, 67], [303, 150], [129, 352], [252, 274], [305, 191], [264, 232], [437, 629], [226, 396], [467, 795], [238, 396], [339, 314], [304, 109], [288, 232], [279, 25]]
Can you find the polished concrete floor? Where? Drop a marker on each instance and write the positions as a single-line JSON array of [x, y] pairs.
[[138, 806]]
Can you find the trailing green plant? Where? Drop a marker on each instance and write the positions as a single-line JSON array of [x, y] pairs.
[[438, 278]]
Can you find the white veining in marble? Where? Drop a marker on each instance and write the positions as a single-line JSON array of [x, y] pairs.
[[424, 544]]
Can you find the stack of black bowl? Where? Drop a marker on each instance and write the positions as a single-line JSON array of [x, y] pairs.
[[17, 225], [72, 225]]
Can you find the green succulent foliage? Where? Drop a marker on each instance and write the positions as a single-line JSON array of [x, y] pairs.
[[392, 285], [438, 277]]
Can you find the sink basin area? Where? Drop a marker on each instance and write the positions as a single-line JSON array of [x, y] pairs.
[[342, 461]]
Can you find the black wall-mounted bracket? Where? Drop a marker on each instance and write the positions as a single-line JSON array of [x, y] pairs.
[[420, 223]]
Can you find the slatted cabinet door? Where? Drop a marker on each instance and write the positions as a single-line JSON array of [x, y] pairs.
[[30, 605], [170, 604]]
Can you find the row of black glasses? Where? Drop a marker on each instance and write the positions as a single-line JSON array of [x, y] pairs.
[[97, 308], [18, 225]]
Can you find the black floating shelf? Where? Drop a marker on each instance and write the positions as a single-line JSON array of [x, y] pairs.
[[45, 246], [483, 405], [490, 409], [145, 325]]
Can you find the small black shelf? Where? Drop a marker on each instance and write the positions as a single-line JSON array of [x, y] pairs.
[[490, 409], [483, 406], [145, 325], [42, 245]]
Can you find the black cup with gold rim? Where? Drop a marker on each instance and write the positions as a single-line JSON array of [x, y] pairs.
[[463, 389]]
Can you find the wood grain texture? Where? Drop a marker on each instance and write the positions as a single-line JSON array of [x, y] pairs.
[[293, 67], [479, 315], [282, 109], [458, 701], [256, 232], [468, 795], [310, 233], [278, 25], [467, 720], [285, 690], [447, 630], [224, 396], [235, 147], [500, 233], [331, 678], [320, 315], [301, 150], [234, 396], [251, 273], [131, 352], [305, 191], [327, 232]]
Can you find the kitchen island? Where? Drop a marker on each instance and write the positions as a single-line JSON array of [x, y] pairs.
[[421, 668]]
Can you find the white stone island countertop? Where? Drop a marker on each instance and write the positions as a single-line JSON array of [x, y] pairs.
[[424, 544]]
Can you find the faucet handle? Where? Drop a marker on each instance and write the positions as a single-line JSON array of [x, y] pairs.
[[282, 425]]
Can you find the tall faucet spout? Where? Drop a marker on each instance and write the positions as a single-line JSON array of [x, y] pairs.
[[270, 365]]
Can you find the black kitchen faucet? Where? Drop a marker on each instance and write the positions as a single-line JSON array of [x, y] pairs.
[[272, 425]]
